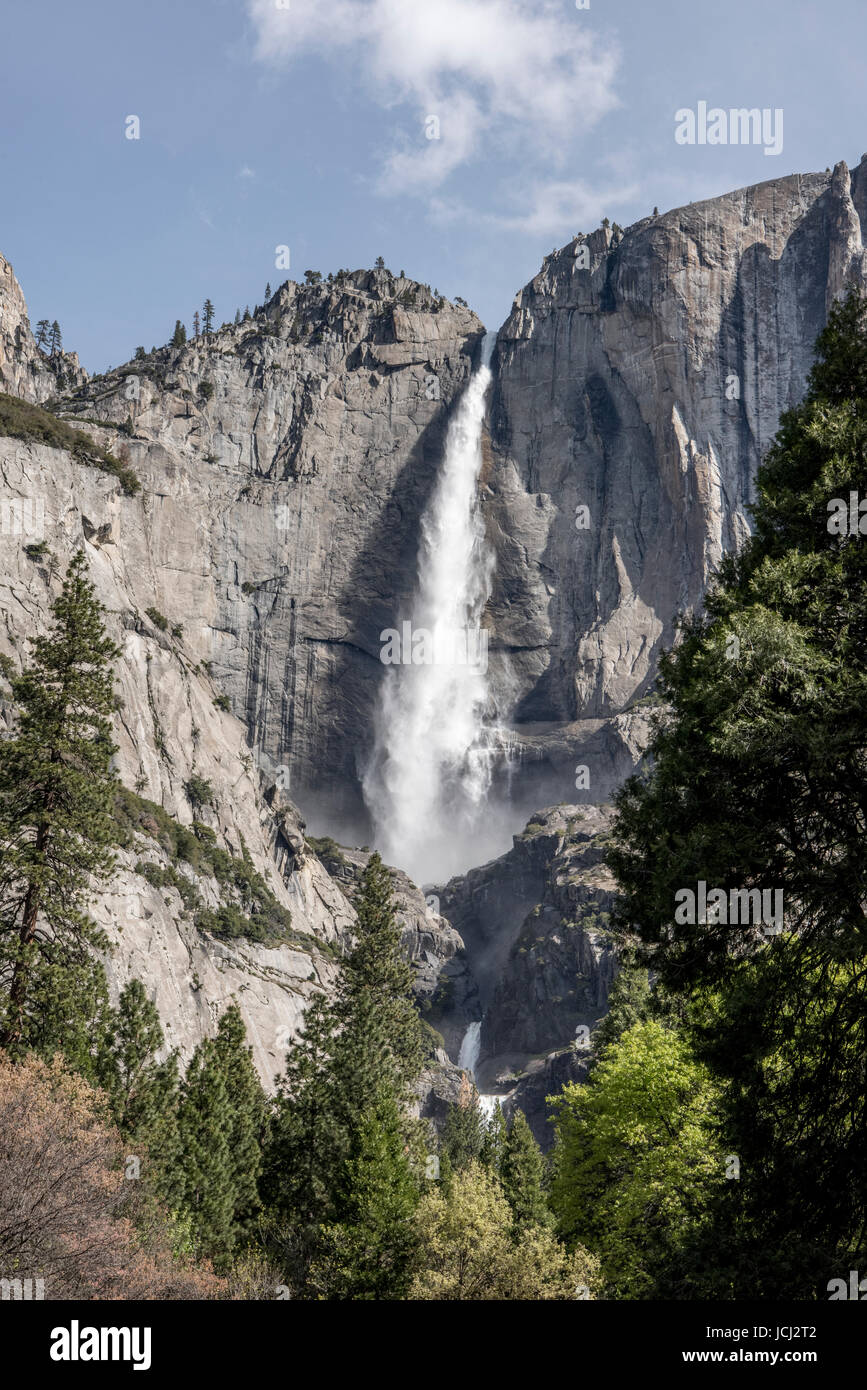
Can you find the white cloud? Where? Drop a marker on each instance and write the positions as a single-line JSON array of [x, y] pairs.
[[565, 208], [246, 172], [556, 208], [521, 76]]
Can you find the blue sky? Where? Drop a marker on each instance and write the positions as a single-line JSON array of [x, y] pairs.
[[307, 123]]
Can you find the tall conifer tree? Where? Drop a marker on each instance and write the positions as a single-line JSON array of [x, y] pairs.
[[56, 830], [522, 1173]]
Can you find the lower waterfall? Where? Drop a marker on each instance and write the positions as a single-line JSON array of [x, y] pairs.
[[468, 1059]]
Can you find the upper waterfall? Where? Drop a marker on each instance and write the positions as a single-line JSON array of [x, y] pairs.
[[430, 768]]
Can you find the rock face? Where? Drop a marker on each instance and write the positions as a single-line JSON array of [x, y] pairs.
[[24, 370], [169, 730], [641, 375], [537, 930], [286, 462], [543, 1078], [536, 927]]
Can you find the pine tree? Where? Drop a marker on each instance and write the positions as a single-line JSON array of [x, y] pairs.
[[179, 337], [369, 1255], [207, 317], [69, 1013], [140, 354], [352, 1056], [206, 1162], [629, 1002], [247, 314], [246, 1131], [196, 328], [142, 1091], [237, 317], [494, 1142], [267, 291], [379, 1046], [55, 339], [56, 794], [304, 1144], [43, 328], [522, 1173], [463, 1134]]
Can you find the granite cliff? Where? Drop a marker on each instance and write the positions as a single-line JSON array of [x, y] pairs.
[[641, 375]]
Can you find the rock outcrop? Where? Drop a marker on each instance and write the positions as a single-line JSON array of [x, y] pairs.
[[286, 462], [641, 375], [536, 923], [25, 371]]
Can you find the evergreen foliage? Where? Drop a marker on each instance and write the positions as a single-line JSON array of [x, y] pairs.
[[758, 781], [56, 792], [522, 1174]]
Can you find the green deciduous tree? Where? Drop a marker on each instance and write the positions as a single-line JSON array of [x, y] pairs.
[[637, 1159], [467, 1252]]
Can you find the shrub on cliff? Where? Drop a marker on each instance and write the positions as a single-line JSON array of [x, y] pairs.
[[21, 420]]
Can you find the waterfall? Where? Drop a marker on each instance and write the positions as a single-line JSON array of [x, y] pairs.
[[468, 1060], [430, 769], [471, 1043]]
